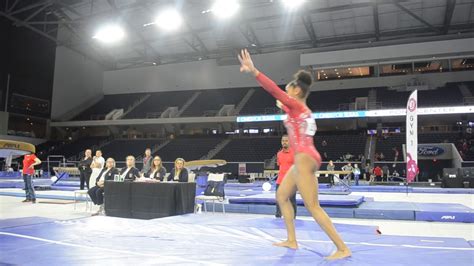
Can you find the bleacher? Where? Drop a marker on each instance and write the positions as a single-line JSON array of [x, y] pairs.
[[107, 104], [250, 149], [448, 95], [261, 102], [188, 148], [79, 146], [340, 144], [209, 102], [119, 149], [386, 144], [334, 100], [159, 102]]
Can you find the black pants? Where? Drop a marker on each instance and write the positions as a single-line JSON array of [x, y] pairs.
[[97, 195], [84, 175], [292, 200]]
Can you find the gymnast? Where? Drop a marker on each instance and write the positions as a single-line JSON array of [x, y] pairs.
[[301, 128]]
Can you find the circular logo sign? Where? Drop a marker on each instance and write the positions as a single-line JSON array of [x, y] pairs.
[[412, 105]]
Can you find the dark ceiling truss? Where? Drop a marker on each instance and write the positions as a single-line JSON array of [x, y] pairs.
[[249, 34], [47, 16]]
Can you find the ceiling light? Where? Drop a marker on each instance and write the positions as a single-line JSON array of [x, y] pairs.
[[110, 34], [169, 20], [293, 4], [225, 8]]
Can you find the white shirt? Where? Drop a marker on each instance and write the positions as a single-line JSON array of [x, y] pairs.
[[100, 160]]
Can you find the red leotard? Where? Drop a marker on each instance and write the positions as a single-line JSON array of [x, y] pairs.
[[299, 123]]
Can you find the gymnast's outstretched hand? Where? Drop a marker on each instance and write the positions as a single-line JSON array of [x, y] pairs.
[[246, 63]]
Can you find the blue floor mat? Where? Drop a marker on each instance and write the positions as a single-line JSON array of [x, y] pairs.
[[15, 222], [106, 240], [324, 200]]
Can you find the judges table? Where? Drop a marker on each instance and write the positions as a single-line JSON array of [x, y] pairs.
[[148, 200]]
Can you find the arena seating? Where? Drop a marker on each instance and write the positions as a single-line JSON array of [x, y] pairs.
[[119, 149], [386, 144], [444, 96], [334, 100], [158, 102], [250, 149], [340, 144], [210, 101], [188, 148], [78, 146], [108, 103], [261, 102]]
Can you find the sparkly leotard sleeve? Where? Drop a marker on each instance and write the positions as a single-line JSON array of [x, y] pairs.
[[299, 123]]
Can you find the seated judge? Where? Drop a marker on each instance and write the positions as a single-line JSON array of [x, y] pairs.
[[178, 173], [157, 170], [130, 172], [96, 193]]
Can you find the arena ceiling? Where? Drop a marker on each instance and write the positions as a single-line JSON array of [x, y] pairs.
[[261, 25]]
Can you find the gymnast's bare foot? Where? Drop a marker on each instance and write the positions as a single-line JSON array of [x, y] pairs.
[[287, 244], [340, 254]]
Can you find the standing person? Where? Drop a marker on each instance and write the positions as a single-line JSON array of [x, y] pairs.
[[386, 173], [301, 129], [85, 168], [331, 167], [147, 161], [356, 173], [285, 159], [97, 165], [179, 173], [367, 171], [378, 173], [29, 163], [348, 168]]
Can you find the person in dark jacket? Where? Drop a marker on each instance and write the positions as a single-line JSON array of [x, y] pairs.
[[157, 170], [85, 170], [178, 173], [96, 193], [130, 172]]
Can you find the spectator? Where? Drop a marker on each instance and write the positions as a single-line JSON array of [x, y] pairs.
[[395, 174], [96, 193], [29, 162], [367, 171], [347, 168], [396, 153], [378, 173], [178, 173], [325, 156], [98, 159], [377, 157], [285, 159], [324, 143], [130, 172], [330, 167], [147, 161], [85, 169], [356, 173], [382, 156], [157, 170], [386, 173], [97, 165]]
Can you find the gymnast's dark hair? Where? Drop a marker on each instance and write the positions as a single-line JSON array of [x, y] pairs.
[[303, 80]]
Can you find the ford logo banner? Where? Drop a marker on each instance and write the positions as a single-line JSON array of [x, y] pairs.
[[430, 151]]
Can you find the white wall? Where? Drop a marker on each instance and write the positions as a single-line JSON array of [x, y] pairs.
[[199, 75], [390, 53], [77, 82]]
